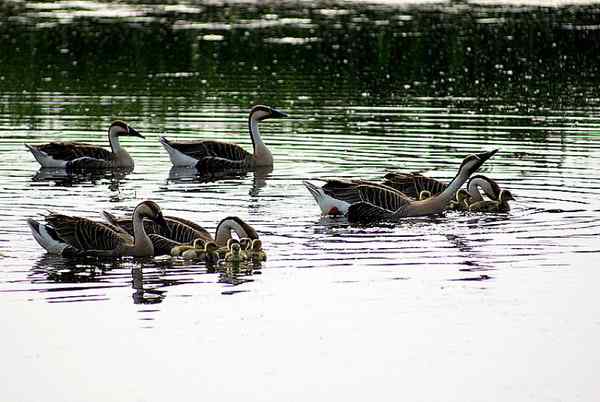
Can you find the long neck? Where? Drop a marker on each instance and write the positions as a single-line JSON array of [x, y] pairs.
[[113, 139], [121, 157], [224, 231], [473, 189], [142, 245], [439, 203], [262, 155]]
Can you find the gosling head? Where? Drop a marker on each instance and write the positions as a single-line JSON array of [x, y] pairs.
[[462, 195], [261, 112], [199, 244], [231, 242], [151, 210], [211, 247], [235, 248], [425, 194], [256, 245], [474, 161], [119, 128], [505, 195], [245, 243]]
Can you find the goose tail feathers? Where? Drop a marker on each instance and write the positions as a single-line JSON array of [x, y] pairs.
[[47, 237]]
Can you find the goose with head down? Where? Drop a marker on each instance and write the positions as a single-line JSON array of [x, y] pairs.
[[493, 206], [183, 232], [209, 155], [74, 236], [75, 155], [382, 203]]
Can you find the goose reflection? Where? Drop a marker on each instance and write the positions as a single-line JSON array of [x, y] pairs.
[[146, 293], [68, 178], [68, 270], [237, 273], [179, 174]]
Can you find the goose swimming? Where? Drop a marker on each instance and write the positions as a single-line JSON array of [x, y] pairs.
[[339, 195], [75, 155], [209, 155], [382, 203], [74, 236], [184, 231]]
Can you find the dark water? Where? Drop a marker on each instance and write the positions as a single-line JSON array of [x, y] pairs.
[[457, 307]]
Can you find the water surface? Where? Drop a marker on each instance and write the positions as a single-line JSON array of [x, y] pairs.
[[455, 307]]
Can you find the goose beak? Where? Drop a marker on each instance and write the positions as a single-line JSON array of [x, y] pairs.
[[134, 133], [276, 114], [484, 156]]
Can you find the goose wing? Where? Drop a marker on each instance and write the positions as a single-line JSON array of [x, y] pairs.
[[162, 245], [344, 190], [179, 229], [364, 213], [68, 151], [85, 234], [203, 149], [383, 197], [412, 184]]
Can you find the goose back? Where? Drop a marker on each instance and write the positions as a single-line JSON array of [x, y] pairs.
[[85, 234], [69, 151]]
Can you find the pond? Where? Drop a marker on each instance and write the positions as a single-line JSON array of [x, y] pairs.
[[460, 306]]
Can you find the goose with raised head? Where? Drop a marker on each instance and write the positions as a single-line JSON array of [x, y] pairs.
[[184, 231], [383, 203], [209, 155], [75, 155], [74, 236], [491, 206]]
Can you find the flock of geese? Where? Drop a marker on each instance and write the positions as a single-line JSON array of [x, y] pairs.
[[148, 233]]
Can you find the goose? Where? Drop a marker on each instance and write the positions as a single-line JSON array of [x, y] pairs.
[[369, 202], [70, 236], [75, 155], [414, 184], [185, 231], [499, 205], [209, 155]]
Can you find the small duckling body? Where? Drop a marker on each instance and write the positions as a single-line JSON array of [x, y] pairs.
[[235, 256], [196, 252], [256, 253], [461, 201], [493, 206], [211, 256]]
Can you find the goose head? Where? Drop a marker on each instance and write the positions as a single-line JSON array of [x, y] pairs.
[[261, 112], [151, 210], [505, 196], [474, 161], [119, 128]]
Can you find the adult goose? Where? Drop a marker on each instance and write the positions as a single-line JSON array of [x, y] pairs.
[[179, 231], [75, 155], [209, 155], [339, 195], [71, 236]]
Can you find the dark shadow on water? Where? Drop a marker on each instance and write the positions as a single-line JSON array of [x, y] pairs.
[[69, 178]]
